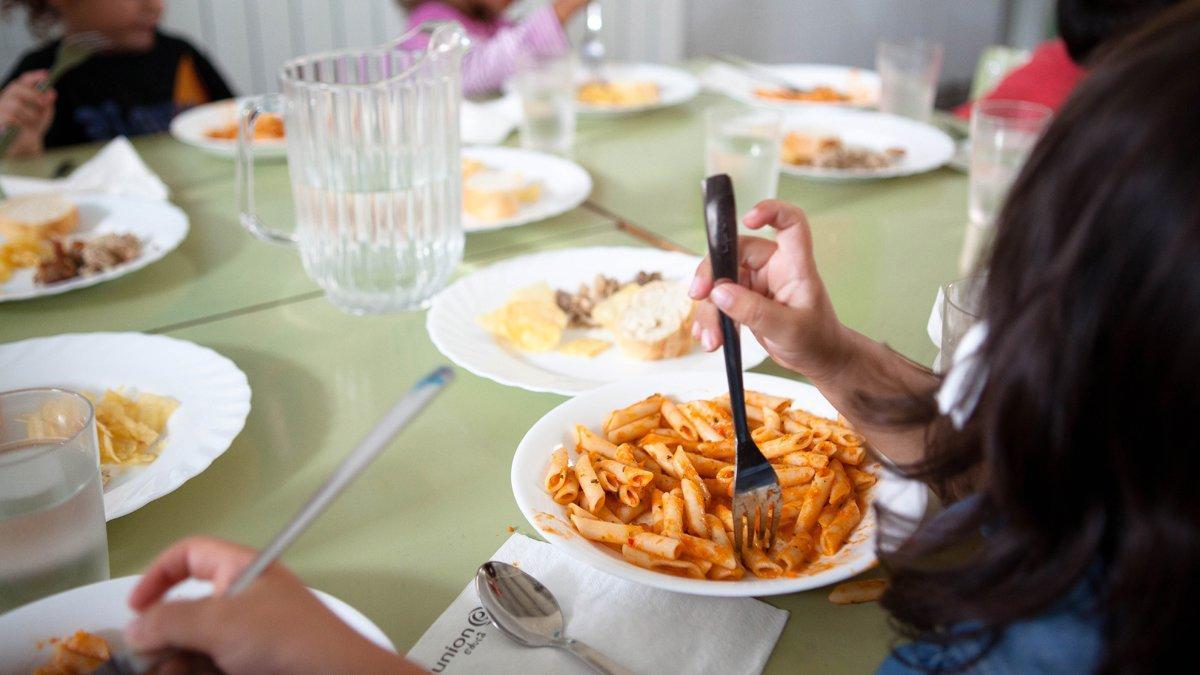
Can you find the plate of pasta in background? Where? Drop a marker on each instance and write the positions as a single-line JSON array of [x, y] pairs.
[[634, 479]]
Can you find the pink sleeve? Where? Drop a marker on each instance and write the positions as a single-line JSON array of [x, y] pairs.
[[490, 62]]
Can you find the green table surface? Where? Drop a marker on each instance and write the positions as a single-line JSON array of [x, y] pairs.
[[403, 541]]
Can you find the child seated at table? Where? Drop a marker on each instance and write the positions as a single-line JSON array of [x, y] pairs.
[[134, 87], [1056, 66], [498, 44]]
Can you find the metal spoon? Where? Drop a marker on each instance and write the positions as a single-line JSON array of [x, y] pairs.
[[526, 611]]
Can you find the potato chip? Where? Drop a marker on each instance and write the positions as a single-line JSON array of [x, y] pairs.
[[530, 321], [128, 429]]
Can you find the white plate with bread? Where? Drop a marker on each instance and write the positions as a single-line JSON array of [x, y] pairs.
[[159, 226], [647, 332], [505, 187]]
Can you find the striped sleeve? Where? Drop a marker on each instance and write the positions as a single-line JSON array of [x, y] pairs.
[[489, 63]]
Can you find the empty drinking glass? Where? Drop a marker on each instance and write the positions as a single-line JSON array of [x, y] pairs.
[[744, 143], [1002, 134], [961, 308], [52, 534], [908, 73], [373, 153], [547, 93]]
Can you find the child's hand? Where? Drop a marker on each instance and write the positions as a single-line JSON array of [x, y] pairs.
[[21, 104], [276, 625], [780, 296]]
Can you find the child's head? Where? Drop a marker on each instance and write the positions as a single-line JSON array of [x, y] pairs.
[[128, 24], [1085, 25], [484, 9]]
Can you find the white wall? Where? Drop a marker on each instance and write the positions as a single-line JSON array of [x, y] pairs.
[[843, 32], [249, 39]]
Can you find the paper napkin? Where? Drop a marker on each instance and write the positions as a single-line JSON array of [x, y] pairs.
[[489, 122], [115, 170], [644, 629]]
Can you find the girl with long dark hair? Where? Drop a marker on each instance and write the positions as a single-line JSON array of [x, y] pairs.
[[1067, 445]]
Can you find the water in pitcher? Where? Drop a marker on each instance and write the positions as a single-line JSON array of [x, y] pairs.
[[380, 241], [52, 534]]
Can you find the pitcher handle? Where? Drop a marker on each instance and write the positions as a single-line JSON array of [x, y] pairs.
[[248, 111]]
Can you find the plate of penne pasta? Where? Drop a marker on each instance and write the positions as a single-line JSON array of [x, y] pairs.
[[635, 479]]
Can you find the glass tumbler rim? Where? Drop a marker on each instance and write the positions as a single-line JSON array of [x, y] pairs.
[[19, 458], [1001, 109], [971, 281]]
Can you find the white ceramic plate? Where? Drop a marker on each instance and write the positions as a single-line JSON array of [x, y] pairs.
[[926, 147], [213, 395], [102, 608], [565, 184], [907, 498], [861, 84], [161, 227], [192, 125], [675, 86], [453, 328]]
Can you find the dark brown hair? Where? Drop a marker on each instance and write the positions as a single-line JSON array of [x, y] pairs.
[[1083, 448], [40, 15]]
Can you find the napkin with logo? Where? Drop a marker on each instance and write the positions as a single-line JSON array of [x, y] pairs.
[[645, 629], [115, 170]]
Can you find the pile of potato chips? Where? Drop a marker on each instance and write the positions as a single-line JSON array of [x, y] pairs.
[[531, 320], [21, 252], [128, 429]]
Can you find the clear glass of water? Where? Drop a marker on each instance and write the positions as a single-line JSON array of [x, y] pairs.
[[373, 156], [1002, 134], [547, 91], [744, 143], [908, 73], [962, 307], [52, 535]]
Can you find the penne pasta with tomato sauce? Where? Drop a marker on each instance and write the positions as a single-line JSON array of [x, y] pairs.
[[656, 484]]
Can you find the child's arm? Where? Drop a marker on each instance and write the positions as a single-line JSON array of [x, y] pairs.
[[31, 111], [539, 35], [274, 626]]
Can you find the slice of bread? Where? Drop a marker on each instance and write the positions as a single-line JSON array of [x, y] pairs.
[[495, 195], [656, 324], [39, 215]]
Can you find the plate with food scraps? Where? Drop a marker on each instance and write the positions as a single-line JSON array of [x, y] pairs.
[[633, 87], [203, 395], [212, 127], [841, 144], [814, 85], [53, 243], [787, 418], [505, 322], [32, 636], [506, 187]]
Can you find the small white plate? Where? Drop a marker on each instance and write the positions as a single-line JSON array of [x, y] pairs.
[[102, 608], [192, 126], [861, 84], [675, 86], [453, 328], [213, 395], [904, 497], [565, 184], [925, 146], [160, 225]]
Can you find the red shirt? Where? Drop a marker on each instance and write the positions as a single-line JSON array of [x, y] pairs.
[[1048, 79]]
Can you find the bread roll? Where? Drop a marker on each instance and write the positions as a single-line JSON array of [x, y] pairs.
[[39, 215], [656, 324]]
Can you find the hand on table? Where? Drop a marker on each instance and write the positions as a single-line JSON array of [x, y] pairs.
[[30, 110], [276, 625], [780, 296]]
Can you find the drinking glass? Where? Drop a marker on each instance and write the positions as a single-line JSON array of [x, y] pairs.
[[547, 93], [961, 308], [1002, 134], [373, 153], [52, 534], [908, 73], [744, 143]]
